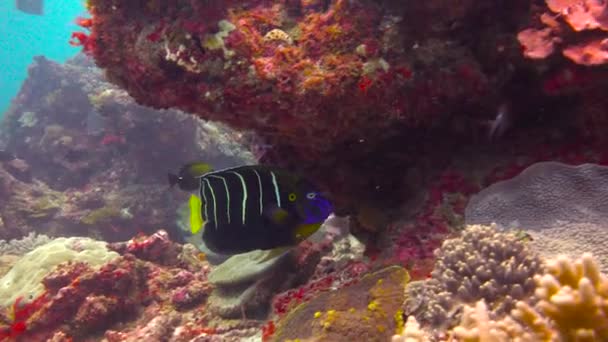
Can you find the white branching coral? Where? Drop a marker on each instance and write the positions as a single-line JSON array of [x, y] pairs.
[[563, 207]]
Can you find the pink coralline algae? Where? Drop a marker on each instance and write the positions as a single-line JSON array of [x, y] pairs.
[[80, 301], [578, 28]]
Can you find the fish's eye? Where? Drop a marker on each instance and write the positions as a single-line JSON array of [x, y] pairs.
[[292, 197], [311, 195]]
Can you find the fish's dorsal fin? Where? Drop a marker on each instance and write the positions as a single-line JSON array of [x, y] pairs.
[[196, 169]]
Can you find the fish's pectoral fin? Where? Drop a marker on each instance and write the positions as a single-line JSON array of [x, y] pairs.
[[304, 230], [276, 215], [196, 219]]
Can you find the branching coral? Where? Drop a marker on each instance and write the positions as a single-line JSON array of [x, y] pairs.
[[572, 297], [481, 264], [571, 307]]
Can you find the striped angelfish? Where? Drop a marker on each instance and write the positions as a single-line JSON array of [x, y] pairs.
[[251, 207]]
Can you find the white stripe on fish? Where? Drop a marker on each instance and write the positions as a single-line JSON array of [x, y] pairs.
[[214, 202], [261, 191], [276, 189], [227, 195], [244, 206]]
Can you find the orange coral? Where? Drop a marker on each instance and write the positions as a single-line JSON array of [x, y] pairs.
[[570, 15]]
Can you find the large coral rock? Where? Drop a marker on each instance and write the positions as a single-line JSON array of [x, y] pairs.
[[564, 208], [345, 91], [96, 289], [367, 310]]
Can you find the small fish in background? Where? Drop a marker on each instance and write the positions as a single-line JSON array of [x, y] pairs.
[[35, 7], [501, 124], [251, 207]]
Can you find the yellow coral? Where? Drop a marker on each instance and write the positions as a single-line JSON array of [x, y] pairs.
[[399, 324], [574, 296]]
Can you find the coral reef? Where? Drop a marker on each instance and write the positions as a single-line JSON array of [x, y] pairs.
[[389, 106], [323, 88], [480, 264], [562, 207], [570, 308], [94, 162], [79, 300], [24, 279]]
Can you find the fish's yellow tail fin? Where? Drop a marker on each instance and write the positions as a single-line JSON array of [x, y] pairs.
[[196, 220]]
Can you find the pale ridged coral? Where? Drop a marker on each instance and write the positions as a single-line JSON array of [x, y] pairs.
[[481, 264], [563, 207]]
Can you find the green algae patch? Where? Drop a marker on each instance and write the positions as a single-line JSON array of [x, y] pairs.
[[37, 206], [102, 215]]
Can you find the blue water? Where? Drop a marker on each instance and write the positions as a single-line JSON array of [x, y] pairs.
[[24, 36]]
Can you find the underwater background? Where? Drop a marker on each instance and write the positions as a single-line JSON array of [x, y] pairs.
[[23, 36], [304, 170]]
